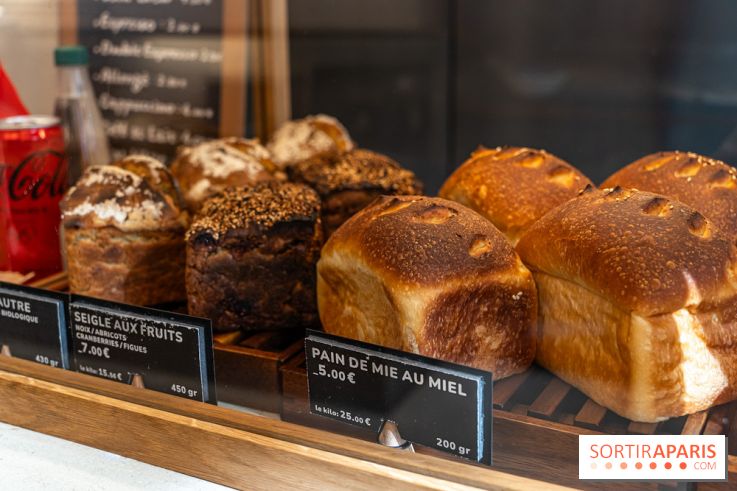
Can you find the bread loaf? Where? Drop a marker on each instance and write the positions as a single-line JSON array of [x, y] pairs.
[[352, 180], [429, 276], [638, 302], [312, 136], [513, 186], [124, 230], [705, 184], [205, 169], [251, 255]]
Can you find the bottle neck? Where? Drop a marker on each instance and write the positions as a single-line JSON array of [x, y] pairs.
[[73, 81]]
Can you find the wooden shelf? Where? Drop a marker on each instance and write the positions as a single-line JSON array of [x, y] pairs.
[[218, 444]]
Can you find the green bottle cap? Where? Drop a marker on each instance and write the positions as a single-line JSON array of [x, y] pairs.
[[71, 55]]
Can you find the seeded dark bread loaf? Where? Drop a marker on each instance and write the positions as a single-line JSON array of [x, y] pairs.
[[251, 255], [349, 182], [429, 276], [124, 227], [638, 302], [312, 136], [705, 184], [513, 186], [208, 168]]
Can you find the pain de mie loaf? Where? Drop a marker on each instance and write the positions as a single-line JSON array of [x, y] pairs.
[[513, 186], [638, 302], [429, 276], [705, 184]]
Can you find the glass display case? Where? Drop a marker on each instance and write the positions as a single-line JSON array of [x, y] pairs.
[[533, 195]]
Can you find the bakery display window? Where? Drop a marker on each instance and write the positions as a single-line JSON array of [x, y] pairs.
[[373, 244]]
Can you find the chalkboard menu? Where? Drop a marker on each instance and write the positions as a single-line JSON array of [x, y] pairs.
[[157, 69]]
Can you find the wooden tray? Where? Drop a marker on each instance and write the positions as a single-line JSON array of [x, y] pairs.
[[246, 364], [537, 420]]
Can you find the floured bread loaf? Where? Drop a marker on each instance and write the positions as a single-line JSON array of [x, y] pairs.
[[513, 186], [429, 276], [124, 227], [638, 302], [705, 184], [206, 169], [312, 136]]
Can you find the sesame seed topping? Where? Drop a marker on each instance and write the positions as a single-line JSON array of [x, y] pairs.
[[263, 205], [358, 169]]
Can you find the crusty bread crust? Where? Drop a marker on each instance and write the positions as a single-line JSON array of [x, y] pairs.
[[251, 255], [130, 195], [312, 136], [705, 184], [642, 251], [139, 268], [350, 181], [208, 168], [638, 305], [430, 276], [124, 227], [513, 186]]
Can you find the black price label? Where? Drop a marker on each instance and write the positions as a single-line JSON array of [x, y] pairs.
[[433, 403], [33, 324], [171, 353]]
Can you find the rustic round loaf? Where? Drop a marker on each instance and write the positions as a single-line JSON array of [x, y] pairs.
[[132, 194], [309, 137], [352, 180], [513, 186], [705, 184], [429, 276], [207, 168]]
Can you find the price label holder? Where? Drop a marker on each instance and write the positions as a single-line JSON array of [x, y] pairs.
[[428, 402], [33, 324], [162, 351]]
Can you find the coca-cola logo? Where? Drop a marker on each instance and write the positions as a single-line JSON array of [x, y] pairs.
[[39, 174]]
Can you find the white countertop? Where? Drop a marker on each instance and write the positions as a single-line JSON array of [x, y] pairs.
[[30, 461]]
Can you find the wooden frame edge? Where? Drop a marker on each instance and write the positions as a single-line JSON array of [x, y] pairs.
[[218, 444], [68, 22], [233, 67]]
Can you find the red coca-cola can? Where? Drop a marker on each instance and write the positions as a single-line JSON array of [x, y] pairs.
[[33, 179]]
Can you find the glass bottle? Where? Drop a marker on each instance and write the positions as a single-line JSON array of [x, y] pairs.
[[84, 130]]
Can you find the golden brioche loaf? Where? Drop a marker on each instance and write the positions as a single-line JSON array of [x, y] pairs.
[[429, 276], [638, 302], [513, 186], [705, 184]]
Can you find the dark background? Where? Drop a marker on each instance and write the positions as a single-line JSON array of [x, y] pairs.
[[599, 83]]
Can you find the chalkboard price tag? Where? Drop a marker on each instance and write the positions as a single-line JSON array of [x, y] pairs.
[[433, 403], [33, 324], [166, 352]]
